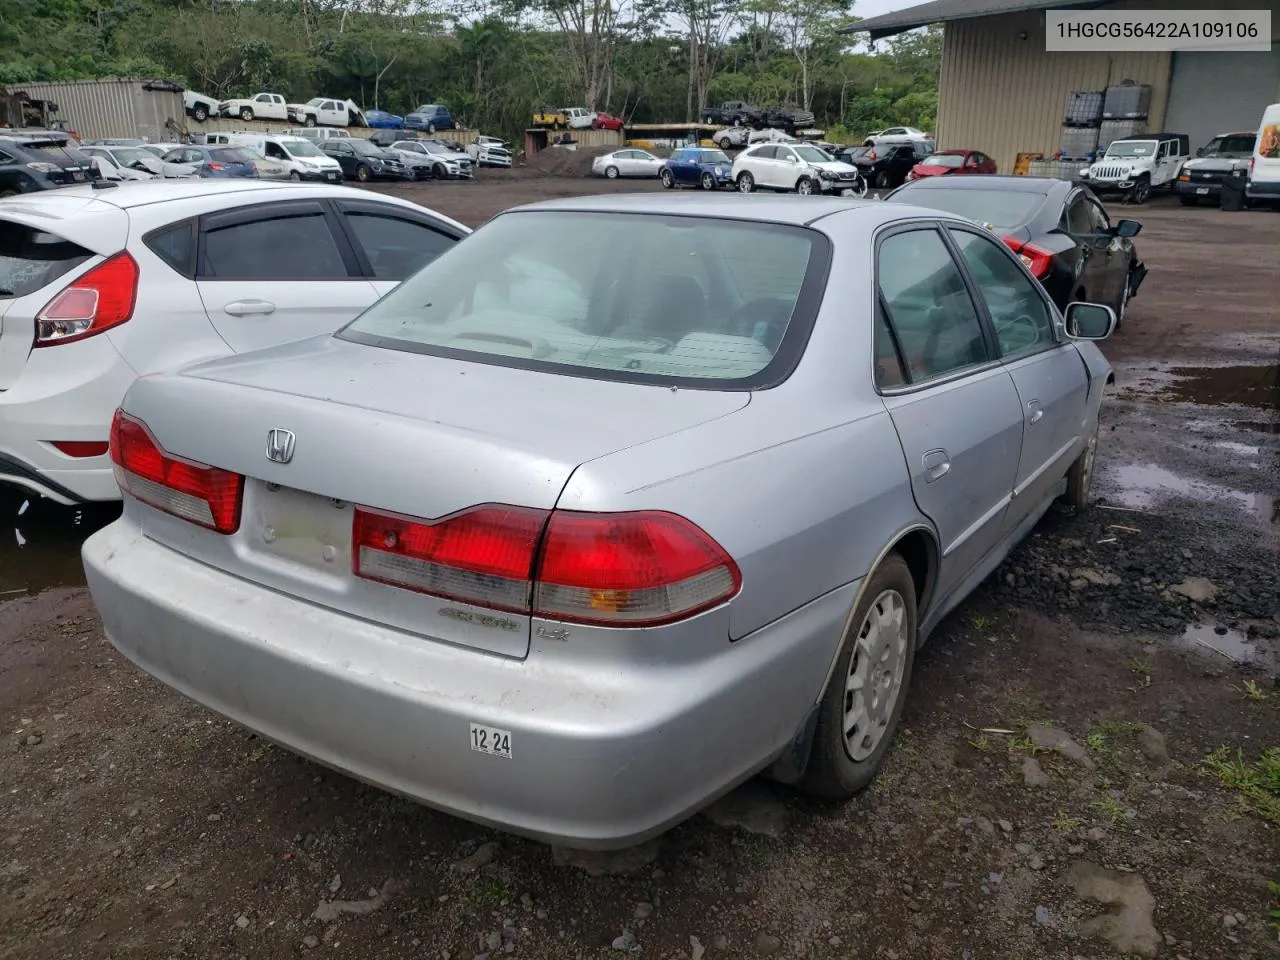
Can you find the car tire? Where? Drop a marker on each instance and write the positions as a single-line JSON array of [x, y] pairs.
[[440, 172], [246, 114], [8, 193], [200, 113], [1080, 476], [804, 187], [363, 173], [868, 142], [1141, 191], [707, 182], [879, 645], [746, 182], [882, 180], [310, 121], [1190, 201], [611, 173], [431, 128], [668, 180], [295, 176], [724, 143], [737, 121]]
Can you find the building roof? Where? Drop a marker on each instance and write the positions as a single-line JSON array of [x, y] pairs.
[[941, 11]]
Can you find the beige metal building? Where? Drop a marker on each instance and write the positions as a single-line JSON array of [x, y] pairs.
[[113, 108], [1002, 93]]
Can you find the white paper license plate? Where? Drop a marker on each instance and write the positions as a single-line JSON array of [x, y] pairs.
[[1202, 190], [331, 175], [491, 740]]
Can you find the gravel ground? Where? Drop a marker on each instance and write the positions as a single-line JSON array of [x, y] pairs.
[[1046, 797]]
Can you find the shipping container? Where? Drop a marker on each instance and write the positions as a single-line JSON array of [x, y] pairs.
[[1078, 141], [148, 109], [1084, 108], [1127, 101]]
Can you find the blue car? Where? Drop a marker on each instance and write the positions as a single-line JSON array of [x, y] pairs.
[[431, 117], [214, 161], [381, 120], [701, 167]]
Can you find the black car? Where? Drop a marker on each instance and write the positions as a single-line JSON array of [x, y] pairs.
[[790, 119], [885, 166], [1060, 230], [43, 161], [1226, 155], [364, 160]]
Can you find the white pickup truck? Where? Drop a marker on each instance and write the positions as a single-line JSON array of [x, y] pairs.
[[579, 117], [320, 112], [261, 106]]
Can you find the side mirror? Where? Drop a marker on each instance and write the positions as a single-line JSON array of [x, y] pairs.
[[1128, 228], [1089, 321]]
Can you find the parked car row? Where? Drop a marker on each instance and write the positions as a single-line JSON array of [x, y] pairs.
[[316, 112], [740, 113]]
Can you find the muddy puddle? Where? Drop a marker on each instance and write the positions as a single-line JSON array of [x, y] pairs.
[[1229, 646], [1248, 386], [40, 543], [1143, 485]]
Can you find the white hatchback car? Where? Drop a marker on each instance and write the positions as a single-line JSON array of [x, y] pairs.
[[795, 166], [100, 285]]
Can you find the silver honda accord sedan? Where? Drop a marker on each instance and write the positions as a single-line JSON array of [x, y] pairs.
[[614, 505]]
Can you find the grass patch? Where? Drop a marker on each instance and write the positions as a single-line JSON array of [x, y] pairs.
[[1256, 784], [1065, 822], [1253, 692], [1096, 742], [1273, 915], [1111, 807], [982, 744]]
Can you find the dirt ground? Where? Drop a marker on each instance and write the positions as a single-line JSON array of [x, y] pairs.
[[1055, 791]]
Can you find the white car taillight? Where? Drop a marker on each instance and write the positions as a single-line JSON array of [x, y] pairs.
[[101, 299]]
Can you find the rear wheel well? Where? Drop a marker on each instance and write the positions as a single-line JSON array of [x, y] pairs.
[[918, 551]]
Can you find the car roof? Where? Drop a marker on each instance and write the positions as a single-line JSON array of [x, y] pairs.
[[143, 193], [1007, 183], [950, 153], [783, 209]]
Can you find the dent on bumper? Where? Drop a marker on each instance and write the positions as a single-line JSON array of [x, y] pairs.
[[603, 754]]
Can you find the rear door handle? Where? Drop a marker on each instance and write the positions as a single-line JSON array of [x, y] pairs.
[[1034, 411], [937, 464], [243, 308]]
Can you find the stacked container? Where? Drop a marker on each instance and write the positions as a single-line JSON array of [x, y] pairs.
[[1124, 112], [1080, 123], [1112, 130]]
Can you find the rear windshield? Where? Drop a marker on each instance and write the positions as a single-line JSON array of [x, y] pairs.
[[54, 151], [648, 298], [996, 207], [230, 155], [946, 160], [31, 259]]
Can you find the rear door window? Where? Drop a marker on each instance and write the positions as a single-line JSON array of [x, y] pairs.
[[282, 247], [31, 259]]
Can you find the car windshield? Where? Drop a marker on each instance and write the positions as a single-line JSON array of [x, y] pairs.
[[410, 145], [1132, 148], [999, 208], [946, 160], [230, 155], [1230, 146], [709, 156], [127, 156], [300, 148], [812, 154], [716, 300], [430, 108], [315, 101], [366, 148], [156, 150]]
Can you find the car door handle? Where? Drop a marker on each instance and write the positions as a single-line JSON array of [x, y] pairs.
[[244, 308], [1034, 412], [937, 464]]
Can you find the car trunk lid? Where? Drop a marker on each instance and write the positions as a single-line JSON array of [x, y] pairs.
[[398, 433]]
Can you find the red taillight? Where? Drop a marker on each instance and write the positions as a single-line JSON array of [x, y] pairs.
[[101, 299], [193, 491], [483, 555], [873, 155], [80, 448], [629, 569], [1037, 260], [612, 569], [215, 165]]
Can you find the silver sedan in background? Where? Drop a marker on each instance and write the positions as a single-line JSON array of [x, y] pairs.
[[576, 565], [628, 162]]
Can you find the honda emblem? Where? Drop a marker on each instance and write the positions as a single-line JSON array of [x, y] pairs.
[[280, 445]]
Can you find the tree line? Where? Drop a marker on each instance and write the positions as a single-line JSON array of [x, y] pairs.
[[491, 61]]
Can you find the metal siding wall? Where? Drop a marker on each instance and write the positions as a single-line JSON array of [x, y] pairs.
[[1197, 106], [110, 108], [1005, 96]]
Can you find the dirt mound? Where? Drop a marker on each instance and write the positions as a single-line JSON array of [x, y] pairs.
[[559, 162]]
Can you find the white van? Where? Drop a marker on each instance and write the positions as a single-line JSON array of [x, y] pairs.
[[1264, 168], [303, 158], [318, 134]]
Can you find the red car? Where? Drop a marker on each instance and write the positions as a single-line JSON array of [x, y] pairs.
[[946, 162], [606, 121]]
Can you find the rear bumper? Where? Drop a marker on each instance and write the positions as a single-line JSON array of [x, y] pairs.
[[1266, 189], [321, 176], [605, 752], [67, 392]]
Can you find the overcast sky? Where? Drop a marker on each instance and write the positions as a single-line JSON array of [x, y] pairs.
[[873, 8]]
